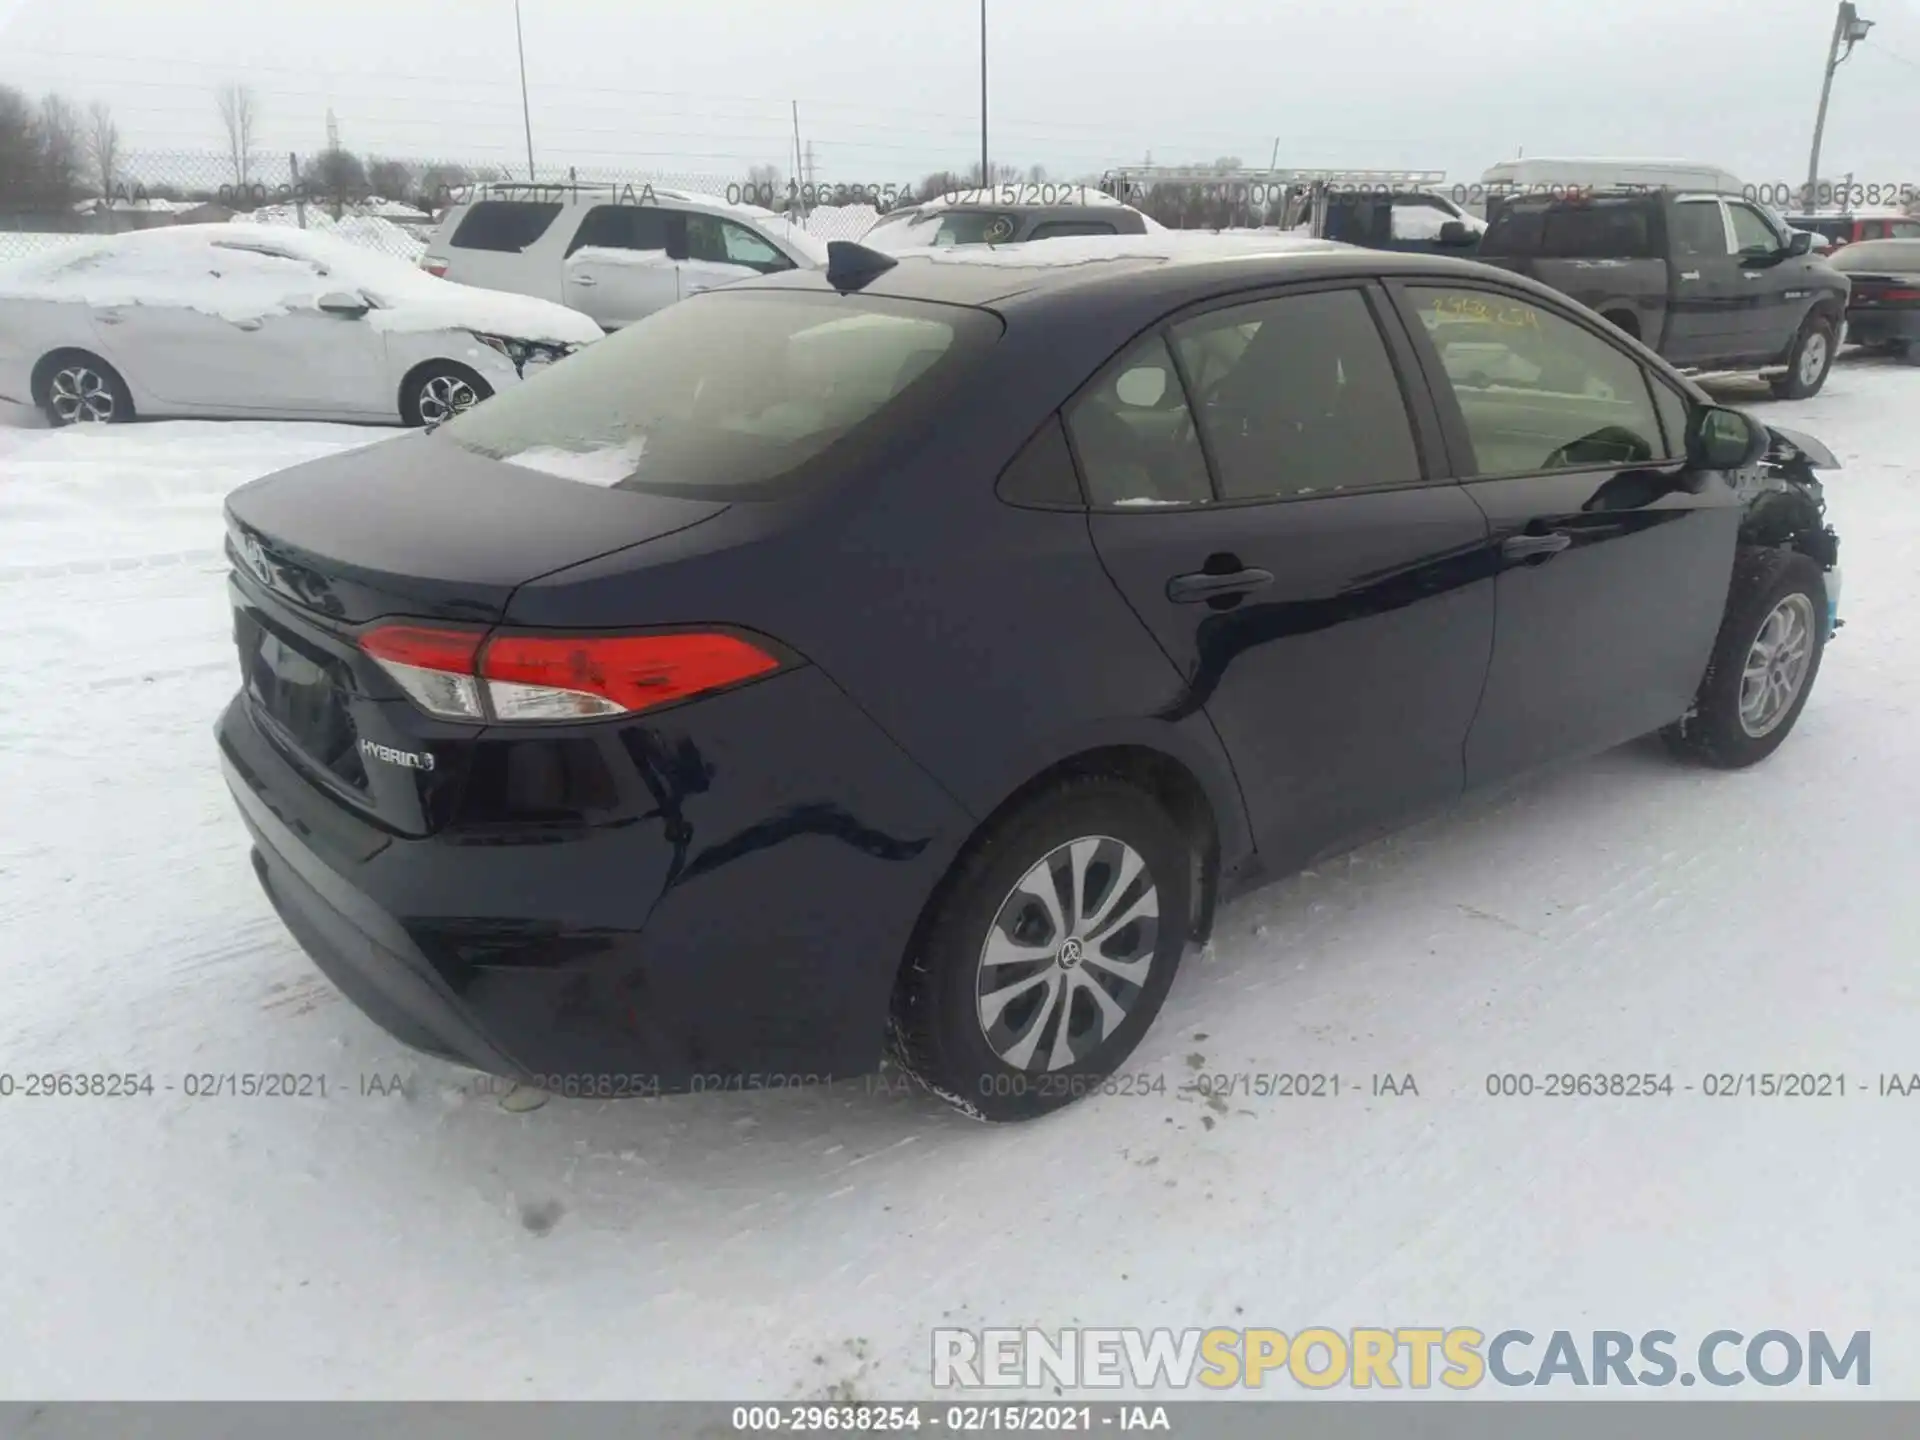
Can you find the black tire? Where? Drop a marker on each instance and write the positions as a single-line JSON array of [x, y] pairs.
[[1714, 733], [77, 387], [1796, 385], [430, 393], [938, 1033]]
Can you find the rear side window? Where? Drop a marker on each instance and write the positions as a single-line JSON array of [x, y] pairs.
[[621, 227], [1055, 229], [729, 395], [1297, 397], [1903, 229], [1597, 229], [508, 225], [1133, 433]]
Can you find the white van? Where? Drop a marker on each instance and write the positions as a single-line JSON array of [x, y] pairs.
[[1559, 175]]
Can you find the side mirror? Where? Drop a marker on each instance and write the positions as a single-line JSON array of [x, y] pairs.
[[1455, 233], [1723, 439], [346, 306], [1799, 243]]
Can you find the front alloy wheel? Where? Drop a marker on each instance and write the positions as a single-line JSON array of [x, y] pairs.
[[444, 396], [78, 394], [1776, 665]]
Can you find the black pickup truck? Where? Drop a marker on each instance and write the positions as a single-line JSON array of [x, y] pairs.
[[1711, 282]]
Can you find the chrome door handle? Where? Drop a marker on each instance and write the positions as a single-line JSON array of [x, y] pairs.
[[109, 319], [246, 324], [1690, 275], [585, 280]]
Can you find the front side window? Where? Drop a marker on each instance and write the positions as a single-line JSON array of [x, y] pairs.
[[1752, 235], [1537, 392], [722, 242], [1297, 397], [727, 395], [1698, 230], [976, 227], [621, 227], [1133, 434]]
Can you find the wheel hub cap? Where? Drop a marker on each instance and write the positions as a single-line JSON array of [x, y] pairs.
[[1067, 956], [1813, 358], [1776, 666], [444, 396], [80, 395]]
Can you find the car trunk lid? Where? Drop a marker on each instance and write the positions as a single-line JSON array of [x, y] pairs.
[[411, 529]]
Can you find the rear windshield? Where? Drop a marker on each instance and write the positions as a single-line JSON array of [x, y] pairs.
[[504, 225], [1613, 229], [729, 395], [1900, 257]]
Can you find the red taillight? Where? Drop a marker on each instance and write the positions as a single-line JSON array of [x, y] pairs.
[[1908, 295], [521, 676], [434, 266]]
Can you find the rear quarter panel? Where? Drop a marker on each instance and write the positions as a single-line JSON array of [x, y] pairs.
[[986, 640]]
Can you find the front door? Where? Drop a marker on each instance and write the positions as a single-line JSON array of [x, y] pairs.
[[1259, 497], [618, 268], [1707, 290], [1613, 557]]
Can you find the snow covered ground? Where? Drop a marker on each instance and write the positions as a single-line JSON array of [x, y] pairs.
[[1626, 914]]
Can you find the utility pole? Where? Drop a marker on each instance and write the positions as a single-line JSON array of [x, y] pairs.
[[526, 110], [986, 175], [799, 166], [1847, 26]]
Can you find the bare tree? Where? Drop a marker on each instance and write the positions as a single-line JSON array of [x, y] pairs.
[[62, 147], [239, 113], [103, 145]]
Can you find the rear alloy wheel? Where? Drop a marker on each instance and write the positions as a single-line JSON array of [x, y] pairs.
[[1809, 361], [82, 389], [439, 392], [1764, 662], [1050, 953]]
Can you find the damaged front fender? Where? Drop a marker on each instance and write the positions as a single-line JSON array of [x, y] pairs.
[[1785, 503]]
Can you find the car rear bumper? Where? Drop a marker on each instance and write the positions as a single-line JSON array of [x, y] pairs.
[[740, 928], [1878, 327]]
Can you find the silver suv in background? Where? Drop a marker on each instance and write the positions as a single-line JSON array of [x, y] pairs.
[[615, 253]]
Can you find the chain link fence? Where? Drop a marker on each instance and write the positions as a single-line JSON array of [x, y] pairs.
[[392, 206]]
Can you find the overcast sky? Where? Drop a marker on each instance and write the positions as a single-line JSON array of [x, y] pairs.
[[890, 91]]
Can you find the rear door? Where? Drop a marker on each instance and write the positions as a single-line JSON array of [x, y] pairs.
[[619, 267], [1704, 324], [1258, 479], [1612, 558]]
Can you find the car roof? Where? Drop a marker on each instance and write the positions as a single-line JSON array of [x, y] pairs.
[[1157, 267]]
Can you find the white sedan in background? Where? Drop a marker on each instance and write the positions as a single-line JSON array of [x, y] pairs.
[[254, 321]]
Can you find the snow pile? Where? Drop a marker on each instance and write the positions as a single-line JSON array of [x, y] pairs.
[[244, 271], [373, 232]]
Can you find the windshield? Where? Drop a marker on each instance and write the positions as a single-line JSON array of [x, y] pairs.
[[723, 394]]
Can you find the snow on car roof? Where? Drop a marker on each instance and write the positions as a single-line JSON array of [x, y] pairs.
[[1091, 249], [270, 270]]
